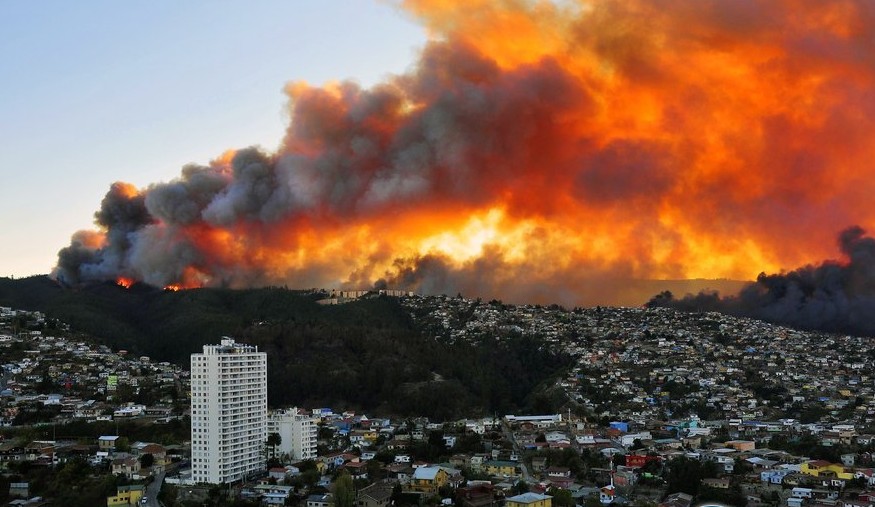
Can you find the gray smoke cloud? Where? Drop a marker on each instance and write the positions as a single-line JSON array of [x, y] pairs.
[[832, 296], [349, 154], [183, 200], [122, 213]]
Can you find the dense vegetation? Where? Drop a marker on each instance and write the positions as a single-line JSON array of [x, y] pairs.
[[367, 354], [72, 484]]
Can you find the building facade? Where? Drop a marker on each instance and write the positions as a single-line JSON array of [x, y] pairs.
[[529, 500], [228, 412], [297, 430]]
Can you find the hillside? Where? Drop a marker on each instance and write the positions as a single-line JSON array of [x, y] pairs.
[[368, 354]]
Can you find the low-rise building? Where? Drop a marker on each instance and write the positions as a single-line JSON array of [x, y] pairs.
[[126, 495], [429, 479], [376, 495], [529, 500]]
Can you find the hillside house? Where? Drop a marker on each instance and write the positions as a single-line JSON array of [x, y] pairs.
[[529, 500], [322, 500], [376, 495], [501, 468], [825, 470], [107, 443], [428, 479], [126, 495], [539, 464], [127, 466], [476, 495]]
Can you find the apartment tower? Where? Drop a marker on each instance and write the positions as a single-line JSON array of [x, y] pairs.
[[228, 412], [297, 430]]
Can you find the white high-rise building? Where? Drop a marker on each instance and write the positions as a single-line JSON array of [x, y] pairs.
[[297, 431], [228, 412]]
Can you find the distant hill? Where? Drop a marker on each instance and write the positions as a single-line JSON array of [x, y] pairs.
[[635, 292], [166, 325], [366, 354]]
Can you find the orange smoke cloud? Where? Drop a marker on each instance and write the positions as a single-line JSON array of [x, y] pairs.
[[538, 151]]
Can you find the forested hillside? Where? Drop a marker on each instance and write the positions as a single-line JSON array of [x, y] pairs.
[[366, 354]]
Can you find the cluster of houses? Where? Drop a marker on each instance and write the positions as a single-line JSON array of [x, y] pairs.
[[798, 480], [105, 453], [75, 379], [519, 453], [652, 363], [642, 377]]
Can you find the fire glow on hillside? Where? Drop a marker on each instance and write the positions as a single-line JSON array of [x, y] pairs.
[[538, 151]]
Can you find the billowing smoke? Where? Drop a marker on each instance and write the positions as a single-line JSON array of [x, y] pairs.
[[537, 151], [122, 214], [836, 296]]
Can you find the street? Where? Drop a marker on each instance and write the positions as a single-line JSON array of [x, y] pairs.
[[152, 490], [508, 435]]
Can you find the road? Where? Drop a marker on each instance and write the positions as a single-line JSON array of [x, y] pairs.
[[508, 434], [152, 490]]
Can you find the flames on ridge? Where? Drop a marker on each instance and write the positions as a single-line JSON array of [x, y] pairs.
[[537, 151]]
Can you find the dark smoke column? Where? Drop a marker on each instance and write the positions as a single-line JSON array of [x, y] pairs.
[[834, 296]]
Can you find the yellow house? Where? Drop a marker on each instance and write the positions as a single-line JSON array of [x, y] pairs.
[[529, 500], [822, 468], [125, 495], [371, 435], [501, 468], [429, 479]]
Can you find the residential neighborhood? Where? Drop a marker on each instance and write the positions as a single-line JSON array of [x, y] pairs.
[[657, 408]]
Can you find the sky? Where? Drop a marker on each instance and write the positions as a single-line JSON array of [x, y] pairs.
[[95, 92]]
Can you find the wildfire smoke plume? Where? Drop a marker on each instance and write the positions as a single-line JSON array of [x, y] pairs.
[[538, 151]]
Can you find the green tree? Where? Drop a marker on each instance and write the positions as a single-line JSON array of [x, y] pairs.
[[685, 475], [147, 460], [731, 496], [124, 393], [561, 497], [375, 470], [123, 444], [469, 443], [742, 467], [310, 477], [344, 491], [307, 465], [521, 487], [273, 441]]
